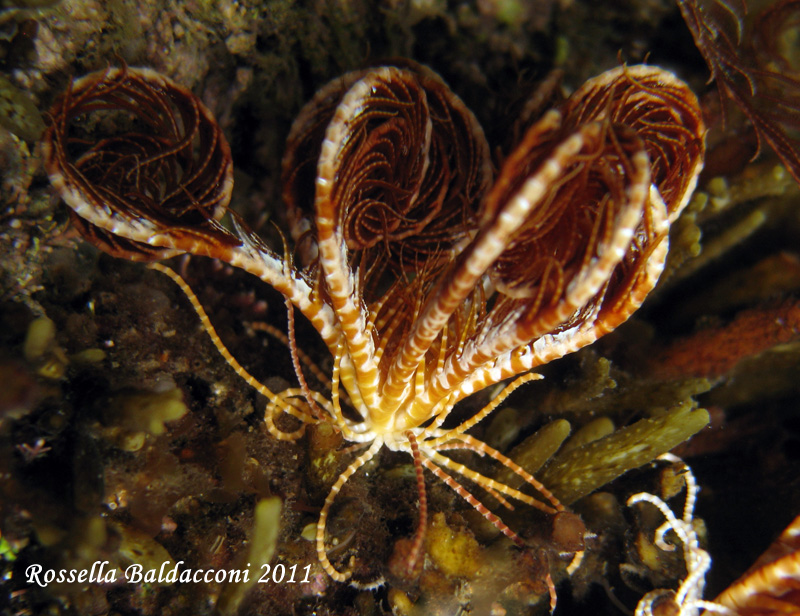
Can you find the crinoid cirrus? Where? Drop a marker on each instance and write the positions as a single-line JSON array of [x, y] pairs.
[[428, 275], [769, 586]]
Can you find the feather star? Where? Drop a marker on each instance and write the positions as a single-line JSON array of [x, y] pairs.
[[428, 275]]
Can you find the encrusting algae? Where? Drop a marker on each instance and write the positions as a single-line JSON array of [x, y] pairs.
[[126, 438]]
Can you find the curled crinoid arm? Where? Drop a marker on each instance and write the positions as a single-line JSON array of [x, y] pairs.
[[586, 258], [751, 69], [148, 175], [558, 221], [689, 596], [771, 585], [322, 521], [532, 230], [277, 403], [572, 235], [407, 168], [133, 153], [400, 169], [662, 111]]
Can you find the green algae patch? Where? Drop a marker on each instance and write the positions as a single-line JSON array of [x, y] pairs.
[[593, 431], [534, 451], [149, 411], [324, 457], [576, 473], [138, 548], [41, 349], [18, 113], [39, 339], [263, 541], [454, 551]]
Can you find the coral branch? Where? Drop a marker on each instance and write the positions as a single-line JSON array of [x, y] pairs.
[[714, 351]]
